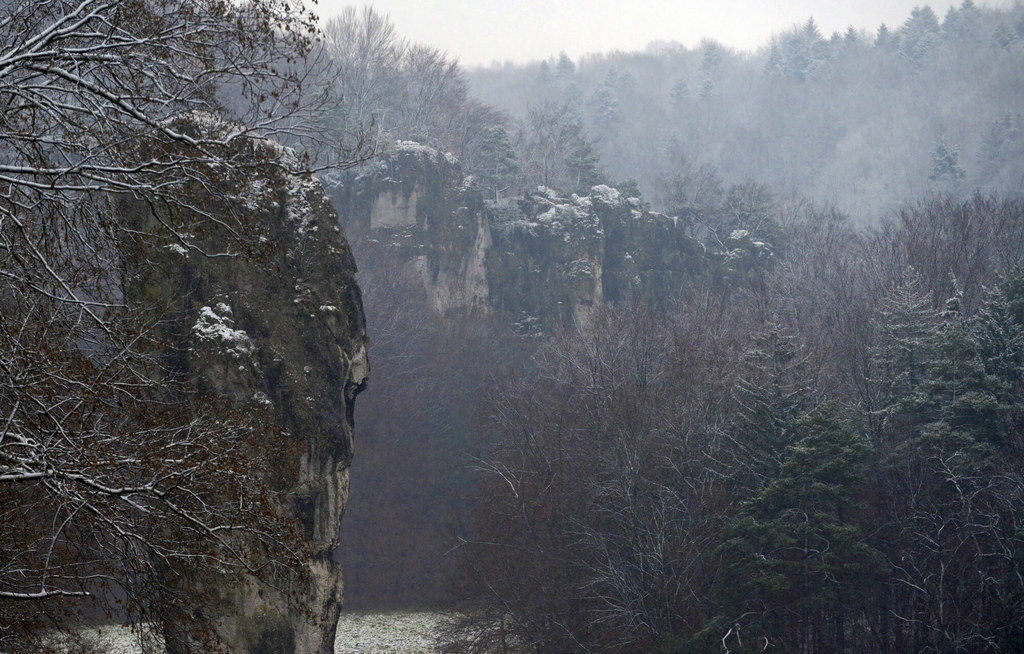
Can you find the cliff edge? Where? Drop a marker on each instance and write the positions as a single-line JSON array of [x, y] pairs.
[[269, 321]]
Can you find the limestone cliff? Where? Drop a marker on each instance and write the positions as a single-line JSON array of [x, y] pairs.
[[417, 202], [539, 258], [272, 321]]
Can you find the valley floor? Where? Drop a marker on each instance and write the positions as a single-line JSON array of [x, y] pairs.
[[410, 632]]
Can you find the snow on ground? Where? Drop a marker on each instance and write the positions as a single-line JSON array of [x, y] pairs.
[[109, 639], [387, 633], [358, 633]]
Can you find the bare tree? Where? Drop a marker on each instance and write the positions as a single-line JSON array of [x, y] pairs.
[[598, 505], [367, 54], [550, 134], [394, 87]]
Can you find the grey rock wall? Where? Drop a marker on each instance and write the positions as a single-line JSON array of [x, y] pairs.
[[277, 326], [539, 258]]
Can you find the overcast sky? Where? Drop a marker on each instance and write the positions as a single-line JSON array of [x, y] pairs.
[[481, 32]]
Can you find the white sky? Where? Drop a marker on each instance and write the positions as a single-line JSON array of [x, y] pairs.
[[481, 32]]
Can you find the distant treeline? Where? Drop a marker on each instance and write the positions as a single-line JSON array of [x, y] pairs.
[[861, 120]]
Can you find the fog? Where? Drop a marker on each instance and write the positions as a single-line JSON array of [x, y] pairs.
[[482, 32]]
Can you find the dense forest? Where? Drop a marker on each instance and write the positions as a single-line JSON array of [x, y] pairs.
[[815, 450]]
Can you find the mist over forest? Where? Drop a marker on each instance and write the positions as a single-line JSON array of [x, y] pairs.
[[860, 120], [676, 351], [810, 443]]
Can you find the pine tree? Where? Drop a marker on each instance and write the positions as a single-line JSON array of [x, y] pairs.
[[604, 105], [584, 167], [680, 93], [957, 404], [904, 349], [798, 568], [770, 398], [545, 77], [710, 63], [884, 38], [950, 500], [961, 23], [1005, 36], [946, 167], [1002, 150], [499, 163], [565, 69], [1000, 333], [920, 35]]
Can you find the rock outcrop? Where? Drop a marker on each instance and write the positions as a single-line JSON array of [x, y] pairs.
[[540, 258], [277, 326], [416, 202]]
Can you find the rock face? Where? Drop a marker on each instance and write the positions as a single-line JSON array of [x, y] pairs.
[[540, 258], [418, 204], [279, 328]]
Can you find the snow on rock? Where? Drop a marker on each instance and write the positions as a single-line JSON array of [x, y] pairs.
[[548, 193], [605, 194], [210, 126], [110, 639], [413, 147], [254, 195], [261, 399], [417, 148], [300, 211], [358, 633], [215, 325]]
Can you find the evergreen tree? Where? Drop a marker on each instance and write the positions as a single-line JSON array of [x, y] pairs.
[[499, 164], [851, 36], [604, 107], [1004, 36], [803, 52], [711, 62], [565, 69], [680, 93], [1000, 333], [950, 503], [961, 23], [584, 167], [545, 77], [946, 167], [958, 400], [798, 570], [904, 349], [920, 35], [885, 37], [770, 397], [604, 102], [1002, 150]]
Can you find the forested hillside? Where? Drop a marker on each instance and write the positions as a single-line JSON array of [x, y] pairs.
[[860, 120], [807, 438]]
